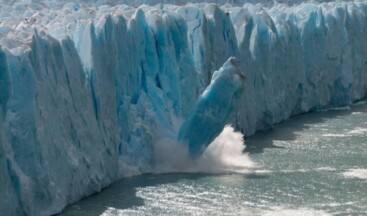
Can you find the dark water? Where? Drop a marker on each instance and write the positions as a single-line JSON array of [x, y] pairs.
[[312, 164]]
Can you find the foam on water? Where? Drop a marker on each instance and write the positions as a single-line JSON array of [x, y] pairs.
[[356, 173], [334, 135], [356, 113], [358, 131], [320, 169], [327, 168]]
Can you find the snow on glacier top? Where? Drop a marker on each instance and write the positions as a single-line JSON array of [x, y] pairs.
[[21, 19]]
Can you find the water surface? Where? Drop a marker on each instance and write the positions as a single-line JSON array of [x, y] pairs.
[[312, 164]]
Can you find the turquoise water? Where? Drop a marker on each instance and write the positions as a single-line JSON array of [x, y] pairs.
[[312, 164]]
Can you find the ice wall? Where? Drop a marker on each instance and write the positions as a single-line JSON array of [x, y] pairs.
[[86, 92]]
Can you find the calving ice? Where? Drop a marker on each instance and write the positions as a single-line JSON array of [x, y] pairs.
[[213, 108], [87, 90]]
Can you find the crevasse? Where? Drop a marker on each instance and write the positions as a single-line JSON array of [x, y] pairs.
[[86, 91]]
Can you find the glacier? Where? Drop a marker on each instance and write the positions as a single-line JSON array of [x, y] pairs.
[[88, 89], [213, 108]]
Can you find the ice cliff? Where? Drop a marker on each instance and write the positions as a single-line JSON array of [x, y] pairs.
[[87, 90]]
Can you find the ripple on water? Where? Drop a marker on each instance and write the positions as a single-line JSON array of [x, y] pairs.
[[282, 211]]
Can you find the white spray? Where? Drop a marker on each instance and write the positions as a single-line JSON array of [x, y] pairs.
[[223, 155]]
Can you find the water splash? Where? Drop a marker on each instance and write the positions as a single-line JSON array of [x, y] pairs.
[[223, 155]]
